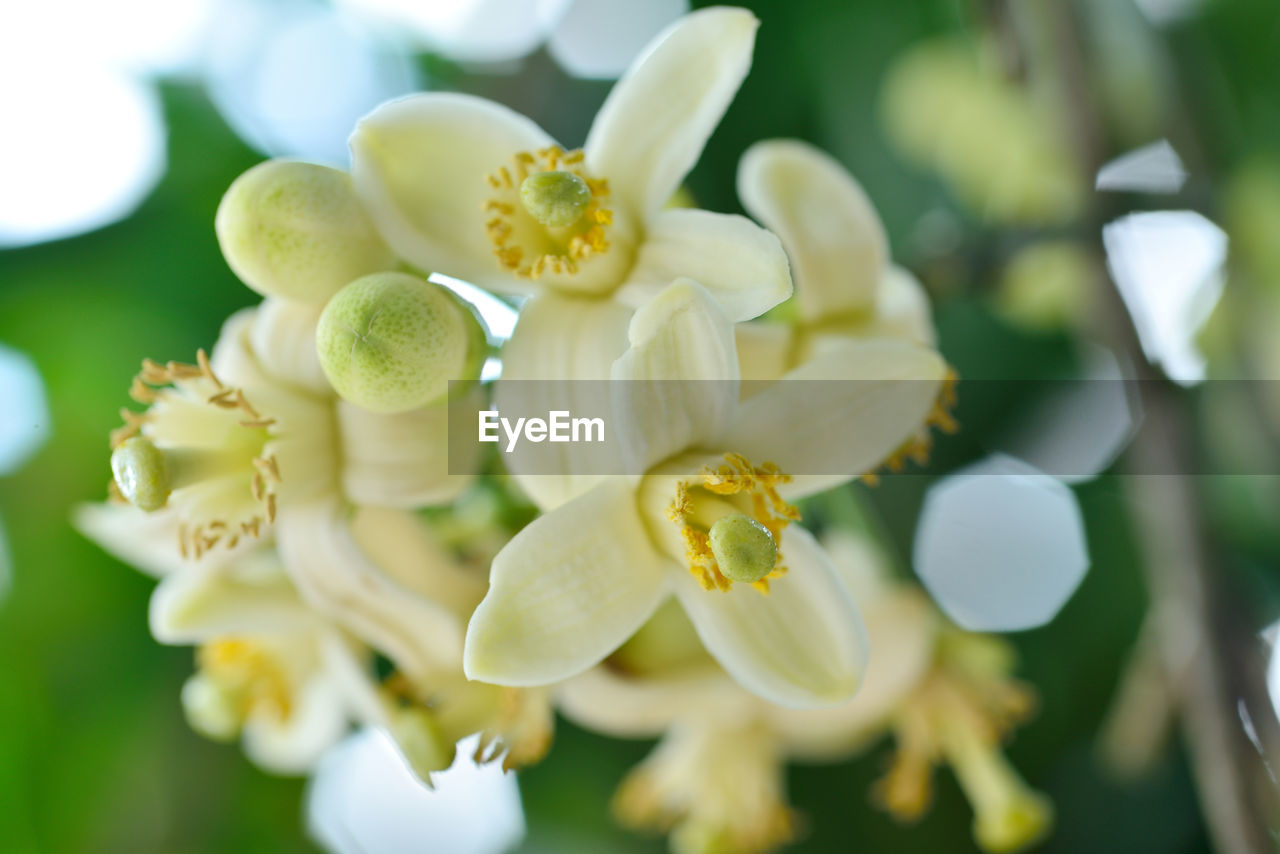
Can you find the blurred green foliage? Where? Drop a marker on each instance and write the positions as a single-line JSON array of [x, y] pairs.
[[94, 753]]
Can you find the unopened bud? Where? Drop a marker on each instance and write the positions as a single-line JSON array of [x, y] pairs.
[[391, 342], [298, 231]]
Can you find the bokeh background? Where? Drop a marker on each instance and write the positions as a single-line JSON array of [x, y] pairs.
[[125, 122]]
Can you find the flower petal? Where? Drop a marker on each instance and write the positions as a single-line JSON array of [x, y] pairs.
[[399, 460], [654, 123], [741, 264], [249, 595], [403, 547], [902, 308], [566, 591], [627, 706], [902, 634], [283, 336], [420, 163], [146, 541], [860, 402], [337, 577], [558, 342], [801, 645], [677, 386], [836, 241], [294, 745]]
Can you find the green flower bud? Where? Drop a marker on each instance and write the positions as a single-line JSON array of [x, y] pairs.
[[744, 549], [142, 473], [391, 342], [555, 199], [298, 231]]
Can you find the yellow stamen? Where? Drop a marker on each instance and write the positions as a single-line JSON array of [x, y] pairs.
[[571, 230], [178, 387]]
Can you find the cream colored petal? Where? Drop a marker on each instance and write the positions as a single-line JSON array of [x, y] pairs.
[[741, 264], [402, 545], [232, 356], [841, 415], [676, 387], [338, 578], [607, 701], [317, 720], [802, 645], [420, 165], [283, 336], [902, 308], [250, 595], [559, 343], [402, 460], [566, 591], [146, 541], [653, 125], [836, 241], [902, 634]]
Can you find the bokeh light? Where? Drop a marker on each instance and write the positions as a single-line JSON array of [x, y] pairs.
[[364, 798], [1001, 546]]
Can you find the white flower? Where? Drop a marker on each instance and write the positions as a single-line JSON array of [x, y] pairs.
[[946, 695], [574, 584], [466, 187], [442, 176], [847, 290], [846, 286], [288, 678], [252, 441]]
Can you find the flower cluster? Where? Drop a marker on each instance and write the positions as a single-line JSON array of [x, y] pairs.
[[335, 565]]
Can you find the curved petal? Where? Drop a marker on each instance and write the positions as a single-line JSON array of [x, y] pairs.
[[902, 308], [616, 704], [283, 336], [336, 577], [654, 123], [741, 264], [677, 386], [146, 541], [294, 745], [902, 633], [566, 591], [248, 596], [837, 244], [399, 460], [559, 343], [420, 163], [801, 645], [402, 545], [840, 415]]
